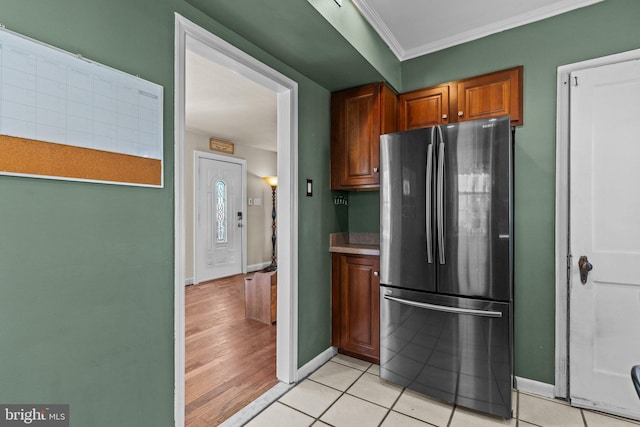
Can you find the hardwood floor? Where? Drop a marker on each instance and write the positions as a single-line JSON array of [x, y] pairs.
[[230, 360]]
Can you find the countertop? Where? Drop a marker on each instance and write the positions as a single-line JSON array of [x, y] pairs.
[[355, 243]]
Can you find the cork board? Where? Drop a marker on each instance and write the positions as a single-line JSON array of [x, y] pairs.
[[66, 117], [28, 157]]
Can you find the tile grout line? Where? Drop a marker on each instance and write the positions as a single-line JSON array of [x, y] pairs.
[[453, 410], [342, 393], [391, 407], [408, 415], [315, 419], [294, 408], [350, 366]]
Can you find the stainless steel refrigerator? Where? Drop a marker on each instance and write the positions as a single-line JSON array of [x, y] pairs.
[[446, 327]]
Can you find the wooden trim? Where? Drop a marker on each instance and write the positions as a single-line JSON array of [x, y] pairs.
[[31, 157]]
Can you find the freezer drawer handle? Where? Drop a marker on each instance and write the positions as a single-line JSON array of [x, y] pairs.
[[444, 308]]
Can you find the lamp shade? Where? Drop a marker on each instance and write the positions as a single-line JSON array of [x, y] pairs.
[[271, 180]]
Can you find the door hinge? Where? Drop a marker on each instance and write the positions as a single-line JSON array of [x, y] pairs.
[[569, 261]]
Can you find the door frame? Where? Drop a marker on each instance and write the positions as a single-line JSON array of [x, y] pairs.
[[562, 238], [197, 155], [287, 128]]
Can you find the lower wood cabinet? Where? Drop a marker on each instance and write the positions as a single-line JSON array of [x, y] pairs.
[[355, 305]]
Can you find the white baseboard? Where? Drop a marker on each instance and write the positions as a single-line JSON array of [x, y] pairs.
[[188, 281], [316, 362], [257, 267], [535, 387]]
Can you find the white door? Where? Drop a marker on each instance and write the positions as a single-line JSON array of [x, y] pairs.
[[220, 219], [604, 334]]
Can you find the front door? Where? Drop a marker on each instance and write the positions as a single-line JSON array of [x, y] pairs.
[[219, 219], [604, 321]]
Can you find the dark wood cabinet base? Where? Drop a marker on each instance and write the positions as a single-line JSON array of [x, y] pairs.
[[355, 305]]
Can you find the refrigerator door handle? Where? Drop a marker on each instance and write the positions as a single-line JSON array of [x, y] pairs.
[[428, 180], [446, 309], [440, 201]]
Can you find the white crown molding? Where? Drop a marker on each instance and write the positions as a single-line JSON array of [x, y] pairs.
[[473, 34], [381, 28]]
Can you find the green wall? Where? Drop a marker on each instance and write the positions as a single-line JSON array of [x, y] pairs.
[[364, 211], [86, 270], [605, 28], [348, 20], [316, 220]]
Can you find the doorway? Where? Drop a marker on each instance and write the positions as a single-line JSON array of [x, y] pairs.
[[598, 288], [220, 217], [287, 130]]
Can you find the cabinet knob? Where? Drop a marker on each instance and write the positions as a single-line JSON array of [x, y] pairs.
[[376, 273], [444, 117], [375, 170], [460, 114]]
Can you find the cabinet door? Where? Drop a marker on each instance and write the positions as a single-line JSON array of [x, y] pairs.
[[423, 108], [492, 95], [360, 305], [358, 117]]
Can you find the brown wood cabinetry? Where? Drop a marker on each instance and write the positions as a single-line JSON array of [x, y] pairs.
[[491, 95], [426, 107], [355, 305], [358, 117]]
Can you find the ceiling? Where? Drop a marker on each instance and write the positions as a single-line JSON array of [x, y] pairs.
[[413, 28], [224, 105]]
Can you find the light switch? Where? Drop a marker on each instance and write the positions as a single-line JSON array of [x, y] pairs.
[[250, 201], [257, 201], [309, 187]]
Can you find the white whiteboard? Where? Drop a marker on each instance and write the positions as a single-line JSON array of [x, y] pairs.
[[47, 94]]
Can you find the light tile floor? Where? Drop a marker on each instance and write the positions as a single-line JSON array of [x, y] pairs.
[[347, 392]]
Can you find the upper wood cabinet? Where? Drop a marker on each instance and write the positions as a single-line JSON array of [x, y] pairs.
[[426, 107], [358, 117], [491, 95]]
